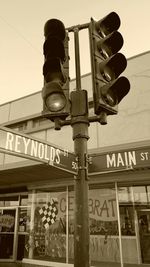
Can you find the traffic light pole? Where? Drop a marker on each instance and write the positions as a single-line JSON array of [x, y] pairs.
[[108, 91], [80, 123]]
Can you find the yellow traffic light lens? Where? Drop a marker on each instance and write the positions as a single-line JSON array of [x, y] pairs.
[[56, 102], [104, 53], [108, 74]]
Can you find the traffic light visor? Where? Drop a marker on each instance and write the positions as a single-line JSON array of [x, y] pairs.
[[53, 47], [110, 45], [111, 68], [52, 70], [121, 88], [108, 24], [114, 92], [54, 27]]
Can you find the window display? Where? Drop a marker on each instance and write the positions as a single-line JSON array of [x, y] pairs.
[[7, 227], [47, 229], [104, 240]]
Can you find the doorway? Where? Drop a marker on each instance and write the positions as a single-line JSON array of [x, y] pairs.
[[7, 233], [144, 234]]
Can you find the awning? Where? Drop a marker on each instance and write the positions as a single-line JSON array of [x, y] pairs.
[[28, 172]]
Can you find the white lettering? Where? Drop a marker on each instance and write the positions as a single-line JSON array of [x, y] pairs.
[[132, 158], [41, 151], [46, 152], [57, 156], [9, 141], [34, 148], [22, 144], [26, 143], [126, 158], [144, 156], [17, 143], [52, 154], [123, 159], [66, 153], [120, 160], [111, 162]]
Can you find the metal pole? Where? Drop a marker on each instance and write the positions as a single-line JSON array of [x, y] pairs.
[[80, 123], [77, 59]]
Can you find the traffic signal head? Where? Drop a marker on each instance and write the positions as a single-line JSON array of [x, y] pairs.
[[107, 64], [55, 92]]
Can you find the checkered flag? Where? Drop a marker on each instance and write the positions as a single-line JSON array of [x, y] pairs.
[[48, 213]]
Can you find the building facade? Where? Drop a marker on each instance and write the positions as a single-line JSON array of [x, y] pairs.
[[37, 199]]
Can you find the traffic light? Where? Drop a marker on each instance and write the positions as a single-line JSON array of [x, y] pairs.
[[107, 64], [55, 92]]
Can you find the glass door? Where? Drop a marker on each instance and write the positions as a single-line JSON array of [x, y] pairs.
[[144, 234], [7, 233]]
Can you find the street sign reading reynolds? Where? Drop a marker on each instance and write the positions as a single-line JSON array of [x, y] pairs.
[[25, 146]]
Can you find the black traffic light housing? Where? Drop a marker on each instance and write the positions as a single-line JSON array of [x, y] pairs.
[[107, 64], [55, 92]]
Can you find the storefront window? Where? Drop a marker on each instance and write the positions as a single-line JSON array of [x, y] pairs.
[[104, 239], [70, 206], [142, 210], [23, 233], [47, 228], [127, 220], [127, 225], [7, 230], [40, 225]]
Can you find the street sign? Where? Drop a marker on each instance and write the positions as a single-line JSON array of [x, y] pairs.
[[128, 159], [25, 146], [21, 145]]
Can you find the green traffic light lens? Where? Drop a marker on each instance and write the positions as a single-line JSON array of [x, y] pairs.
[[56, 102]]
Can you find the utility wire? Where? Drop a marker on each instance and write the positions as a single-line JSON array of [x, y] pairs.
[[20, 34]]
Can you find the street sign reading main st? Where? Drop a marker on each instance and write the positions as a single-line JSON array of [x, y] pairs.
[[121, 160], [18, 144]]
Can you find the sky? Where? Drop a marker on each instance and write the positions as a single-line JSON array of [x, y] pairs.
[[22, 37]]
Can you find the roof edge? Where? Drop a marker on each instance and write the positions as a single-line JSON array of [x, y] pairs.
[[82, 76]]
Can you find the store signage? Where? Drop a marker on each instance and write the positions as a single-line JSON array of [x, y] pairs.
[[101, 208], [18, 144], [120, 160]]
